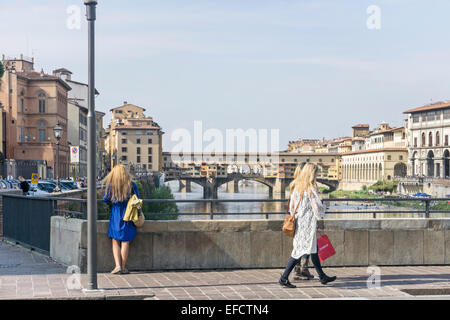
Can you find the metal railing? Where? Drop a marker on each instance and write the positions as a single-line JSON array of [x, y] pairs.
[[64, 206], [425, 210]]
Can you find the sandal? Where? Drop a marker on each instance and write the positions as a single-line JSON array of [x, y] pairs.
[[116, 270]]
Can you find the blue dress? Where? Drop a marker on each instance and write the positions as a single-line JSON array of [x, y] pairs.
[[119, 229]]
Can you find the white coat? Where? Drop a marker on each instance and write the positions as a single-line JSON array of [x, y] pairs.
[[309, 211]]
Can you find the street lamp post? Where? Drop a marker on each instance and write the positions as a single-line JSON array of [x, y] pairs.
[[92, 181], [57, 130]]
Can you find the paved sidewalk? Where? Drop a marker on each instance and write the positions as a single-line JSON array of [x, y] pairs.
[[25, 274]]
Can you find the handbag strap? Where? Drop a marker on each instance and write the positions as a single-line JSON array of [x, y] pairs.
[[298, 204]]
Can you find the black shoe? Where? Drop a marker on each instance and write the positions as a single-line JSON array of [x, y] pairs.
[[325, 279], [286, 283]]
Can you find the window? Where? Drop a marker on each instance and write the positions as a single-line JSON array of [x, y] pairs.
[[400, 157], [415, 142], [41, 135], [124, 133], [83, 119], [389, 157], [118, 111], [149, 141], [124, 158], [430, 139], [41, 98], [83, 135], [415, 118], [21, 101], [431, 116], [149, 160], [138, 159], [138, 150], [438, 138], [150, 150], [124, 149], [138, 141], [124, 141], [22, 134], [423, 139], [446, 139], [447, 114]]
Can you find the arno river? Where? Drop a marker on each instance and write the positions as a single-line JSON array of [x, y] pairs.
[[253, 190]]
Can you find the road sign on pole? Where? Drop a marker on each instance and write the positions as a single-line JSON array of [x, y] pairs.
[[74, 154], [34, 177]]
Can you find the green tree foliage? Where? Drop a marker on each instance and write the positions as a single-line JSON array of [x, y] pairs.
[[386, 185], [2, 69], [148, 190]]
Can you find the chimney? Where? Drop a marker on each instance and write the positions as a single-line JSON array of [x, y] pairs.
[[42, 72], [21, 56], [125, 102]]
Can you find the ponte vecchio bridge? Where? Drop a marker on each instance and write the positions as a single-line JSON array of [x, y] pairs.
[[275, 170]]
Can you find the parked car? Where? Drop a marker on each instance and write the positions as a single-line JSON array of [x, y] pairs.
[[4, 185], [68, 185]]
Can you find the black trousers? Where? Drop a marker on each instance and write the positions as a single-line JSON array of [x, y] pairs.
[[292, 262]]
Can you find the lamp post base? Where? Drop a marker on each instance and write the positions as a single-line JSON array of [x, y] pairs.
[[93, 290]]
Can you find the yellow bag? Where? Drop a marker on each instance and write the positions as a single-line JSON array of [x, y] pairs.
[[134, 211]]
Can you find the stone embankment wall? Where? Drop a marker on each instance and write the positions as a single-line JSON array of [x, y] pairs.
[[213, 244]]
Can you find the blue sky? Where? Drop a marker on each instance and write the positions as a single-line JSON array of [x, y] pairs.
[[310, 68]]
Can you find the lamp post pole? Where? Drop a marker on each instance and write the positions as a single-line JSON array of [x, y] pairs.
[[57, 176], [92, 181], [57, 130]]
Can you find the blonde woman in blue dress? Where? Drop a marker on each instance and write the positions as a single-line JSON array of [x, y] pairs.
[[304, 191], [119, 189]]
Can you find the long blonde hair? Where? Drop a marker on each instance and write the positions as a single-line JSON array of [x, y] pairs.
[[118, 182], [305, 180]]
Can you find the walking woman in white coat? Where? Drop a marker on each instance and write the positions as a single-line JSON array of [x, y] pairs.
[[305, 197]]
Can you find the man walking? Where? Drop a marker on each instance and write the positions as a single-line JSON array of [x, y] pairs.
[[24, 185]]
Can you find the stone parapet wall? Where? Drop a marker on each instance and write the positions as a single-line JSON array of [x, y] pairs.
[[230, 244]]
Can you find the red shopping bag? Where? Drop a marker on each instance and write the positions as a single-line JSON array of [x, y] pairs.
[[325, 248]]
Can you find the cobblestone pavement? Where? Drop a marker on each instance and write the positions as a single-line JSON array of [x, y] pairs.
[[25, 274]]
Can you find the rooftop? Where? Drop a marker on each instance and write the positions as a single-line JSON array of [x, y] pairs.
[[364, 125], [374, 150], [41, 76], [431, 106]]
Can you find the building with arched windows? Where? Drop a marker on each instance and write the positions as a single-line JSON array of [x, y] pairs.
[[381, 156], [33, 103], [428, 140]]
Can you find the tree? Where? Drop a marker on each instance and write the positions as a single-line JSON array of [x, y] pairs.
[[2, 69]]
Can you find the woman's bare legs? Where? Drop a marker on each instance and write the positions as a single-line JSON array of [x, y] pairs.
[[124, 253], [117, 253]]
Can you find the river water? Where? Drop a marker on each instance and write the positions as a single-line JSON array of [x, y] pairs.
[[257, 210]]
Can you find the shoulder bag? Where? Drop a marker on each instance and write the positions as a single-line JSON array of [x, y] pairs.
[[289, 220]]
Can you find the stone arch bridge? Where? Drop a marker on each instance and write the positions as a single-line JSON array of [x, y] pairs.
[[211, 184]]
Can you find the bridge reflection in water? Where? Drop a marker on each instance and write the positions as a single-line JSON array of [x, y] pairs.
[[254, 190], [250, 190]]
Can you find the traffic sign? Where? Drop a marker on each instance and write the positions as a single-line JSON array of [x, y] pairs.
[[74, 154], [34, 177]]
